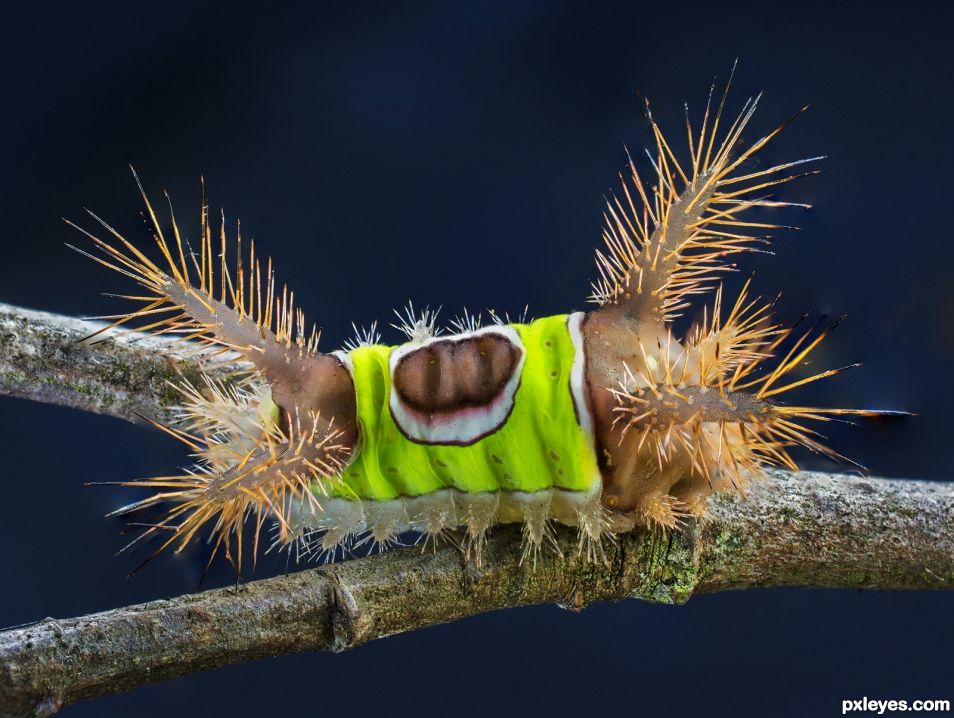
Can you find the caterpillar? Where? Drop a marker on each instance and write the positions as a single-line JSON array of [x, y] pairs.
[[603, 420]]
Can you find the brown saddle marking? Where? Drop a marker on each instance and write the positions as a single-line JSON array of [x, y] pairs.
[[448, 375]]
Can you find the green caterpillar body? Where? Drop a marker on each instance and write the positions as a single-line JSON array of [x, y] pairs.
[[525, 454], [605, 420]]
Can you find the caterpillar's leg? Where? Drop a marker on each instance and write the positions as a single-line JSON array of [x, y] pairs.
[[476, 514]]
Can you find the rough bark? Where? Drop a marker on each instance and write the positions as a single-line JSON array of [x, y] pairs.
[[806, 529], [44, 357]]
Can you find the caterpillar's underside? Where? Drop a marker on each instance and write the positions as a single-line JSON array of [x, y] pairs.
[[603, 420]]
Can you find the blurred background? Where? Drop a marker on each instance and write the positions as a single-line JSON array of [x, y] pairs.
[[458, 154]]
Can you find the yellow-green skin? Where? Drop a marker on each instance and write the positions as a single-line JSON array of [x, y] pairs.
[[540, 446]]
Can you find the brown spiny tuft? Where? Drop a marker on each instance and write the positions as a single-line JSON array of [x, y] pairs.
[[269, 436], [677, 419], [665, 245], [257, 471]]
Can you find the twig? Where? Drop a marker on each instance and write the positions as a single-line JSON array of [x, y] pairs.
[[45, 357]]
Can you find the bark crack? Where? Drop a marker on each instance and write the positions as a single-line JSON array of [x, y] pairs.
[[344, 615]]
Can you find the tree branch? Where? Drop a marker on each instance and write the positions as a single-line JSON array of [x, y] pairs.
[[44, 357], [807, 529]]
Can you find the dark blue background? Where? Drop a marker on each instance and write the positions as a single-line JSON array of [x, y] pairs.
[[457, 154]]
